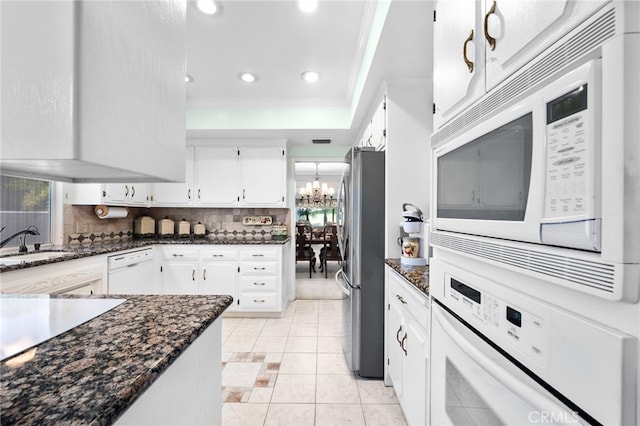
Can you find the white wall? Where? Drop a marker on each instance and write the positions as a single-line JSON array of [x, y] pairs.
[[408, 158]]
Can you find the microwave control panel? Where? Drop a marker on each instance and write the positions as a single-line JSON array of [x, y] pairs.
[[510, 326], [571, 203]]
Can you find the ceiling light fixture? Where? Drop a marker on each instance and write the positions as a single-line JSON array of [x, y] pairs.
[[208, 7], [310, 76], [188, 78], [317, 194], [307, 6], [248, 77]]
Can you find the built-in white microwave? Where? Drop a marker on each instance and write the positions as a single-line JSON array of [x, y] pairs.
[[531, 172], [548, 181]]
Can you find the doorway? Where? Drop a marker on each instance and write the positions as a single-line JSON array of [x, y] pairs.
[[316, 184]]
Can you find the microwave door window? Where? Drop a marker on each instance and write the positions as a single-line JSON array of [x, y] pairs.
[[504, 166], [488, 178]]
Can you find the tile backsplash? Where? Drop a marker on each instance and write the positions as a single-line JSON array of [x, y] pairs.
[[82, 225]]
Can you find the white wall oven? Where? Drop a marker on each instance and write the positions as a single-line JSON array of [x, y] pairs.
[[501, 357], [543, 175]]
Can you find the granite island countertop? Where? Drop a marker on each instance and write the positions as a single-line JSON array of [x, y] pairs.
[[78, 251], [92, 373], [418, 276]]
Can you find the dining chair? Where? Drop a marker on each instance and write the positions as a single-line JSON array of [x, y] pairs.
[[304, 251], [330, 249]]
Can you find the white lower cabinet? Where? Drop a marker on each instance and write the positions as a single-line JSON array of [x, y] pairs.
[[407, 346], [253, 275], [260, 286], [80, 276]]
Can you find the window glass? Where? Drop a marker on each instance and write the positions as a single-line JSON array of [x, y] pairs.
[[25, 202]]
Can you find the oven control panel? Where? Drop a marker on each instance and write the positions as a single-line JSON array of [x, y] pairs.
[[510, 326]]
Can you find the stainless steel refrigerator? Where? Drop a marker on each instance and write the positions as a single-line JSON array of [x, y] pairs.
[[361, 277]]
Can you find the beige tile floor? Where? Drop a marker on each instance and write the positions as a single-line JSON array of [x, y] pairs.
[[291, 371]]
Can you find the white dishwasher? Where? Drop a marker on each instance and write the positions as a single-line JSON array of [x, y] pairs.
[[132, 272]]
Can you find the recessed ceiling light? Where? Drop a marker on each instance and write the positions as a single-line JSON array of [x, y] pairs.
[[248, 77], [188, 78], [308, 6], [310, 76], [208, 7]]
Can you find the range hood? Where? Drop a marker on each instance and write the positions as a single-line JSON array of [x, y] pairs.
[[93, 91]]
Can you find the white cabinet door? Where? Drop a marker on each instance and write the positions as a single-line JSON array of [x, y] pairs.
[[125, 193], [523, 29], [219, 277], [262, 176], [138, 194], [458, 56], [177, 194], [395, 332], [179, 277], [414, 373], [216, 171]]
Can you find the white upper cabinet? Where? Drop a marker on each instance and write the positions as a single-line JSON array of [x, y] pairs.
[[262, 175], [478, 44], [228, 176], [458, 55], [93, 91], [523, 29], [216, 171], [176, 194], [113, 194], [379, 126]]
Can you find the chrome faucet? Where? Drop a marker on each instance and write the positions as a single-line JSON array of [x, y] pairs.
[[31, 230]]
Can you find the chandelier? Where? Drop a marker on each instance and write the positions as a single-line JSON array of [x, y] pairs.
[[317, 194]]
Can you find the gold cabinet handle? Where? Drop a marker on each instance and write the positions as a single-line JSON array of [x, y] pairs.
[[491, 40], [464, 52]]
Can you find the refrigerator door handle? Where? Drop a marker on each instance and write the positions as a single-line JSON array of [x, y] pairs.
[[345, 288]]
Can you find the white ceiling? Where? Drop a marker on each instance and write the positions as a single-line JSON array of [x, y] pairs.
[[354, 45]]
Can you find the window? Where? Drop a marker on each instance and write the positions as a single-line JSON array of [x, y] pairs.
[[25, 202]]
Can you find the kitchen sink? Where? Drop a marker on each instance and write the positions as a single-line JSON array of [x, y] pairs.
[[32, 257]]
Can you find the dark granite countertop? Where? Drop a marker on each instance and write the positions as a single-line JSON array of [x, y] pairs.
[[416, 275], [92, 373], [91, 249]]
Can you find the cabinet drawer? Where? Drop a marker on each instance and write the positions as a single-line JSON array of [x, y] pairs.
[[416, 304], [260, 253], [219, 254], [250, 301], [259, 268], [179, 253], [259, 283]]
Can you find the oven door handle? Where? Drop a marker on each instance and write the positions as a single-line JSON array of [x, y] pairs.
[[527, 393]]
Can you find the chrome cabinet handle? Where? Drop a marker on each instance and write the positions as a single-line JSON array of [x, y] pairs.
[[260, 284], [204, 274], [255, 268], [404, 339], [257, 255], [126, 190], [401, 299], [177, 255], [491, 40], [243, 194], [258, 300], [464, 52], [398, 335], [193, 275], [198, 194], [189, 193], [133, 191]]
